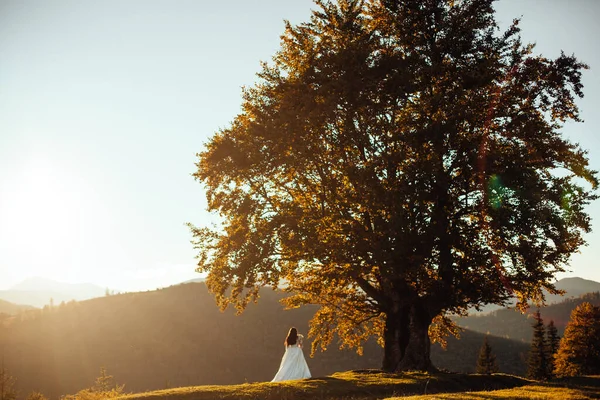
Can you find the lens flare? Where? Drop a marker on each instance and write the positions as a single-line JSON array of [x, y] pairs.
[[495, 191]]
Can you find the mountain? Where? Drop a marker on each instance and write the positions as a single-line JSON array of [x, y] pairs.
[[509, 323], [37, 292], [574, 287], [177, 337], [196, 280], [9, 308]]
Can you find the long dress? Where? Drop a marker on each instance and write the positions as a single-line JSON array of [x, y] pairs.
[[293, 365]]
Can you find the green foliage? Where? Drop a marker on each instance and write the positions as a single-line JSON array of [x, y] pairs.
[[396, 162], [486, 363], [537, 364], [7, 385], [579, 349]]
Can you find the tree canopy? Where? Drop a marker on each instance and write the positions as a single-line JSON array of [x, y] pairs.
[[397, 161], [579, 349]]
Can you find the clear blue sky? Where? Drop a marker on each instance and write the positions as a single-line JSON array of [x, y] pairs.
[[103, 105]]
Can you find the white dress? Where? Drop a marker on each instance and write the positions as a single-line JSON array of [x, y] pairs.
[[293, 365]]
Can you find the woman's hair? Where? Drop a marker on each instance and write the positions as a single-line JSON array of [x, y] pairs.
[[292, 337]]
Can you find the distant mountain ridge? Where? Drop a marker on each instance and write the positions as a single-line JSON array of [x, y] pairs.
[[510, 323], [574, 287], [196, 280], [38, 292]]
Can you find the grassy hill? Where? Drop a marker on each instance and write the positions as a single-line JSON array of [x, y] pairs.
[[366, 385], [176, 337]]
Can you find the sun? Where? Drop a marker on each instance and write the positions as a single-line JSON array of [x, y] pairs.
[[40, 210]]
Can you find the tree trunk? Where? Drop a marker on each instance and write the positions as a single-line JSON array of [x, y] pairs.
[[407, 346], [395, 338]]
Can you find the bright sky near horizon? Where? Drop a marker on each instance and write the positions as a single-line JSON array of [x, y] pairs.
[[104, 104]]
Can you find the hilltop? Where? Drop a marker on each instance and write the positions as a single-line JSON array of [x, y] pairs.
[[574, 287], [371, 385]]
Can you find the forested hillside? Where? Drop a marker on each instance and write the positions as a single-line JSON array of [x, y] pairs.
[[8, 308], [177, 337], [151, 340], [509, 323]]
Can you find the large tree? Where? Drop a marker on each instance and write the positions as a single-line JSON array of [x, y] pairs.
[[396, 162]]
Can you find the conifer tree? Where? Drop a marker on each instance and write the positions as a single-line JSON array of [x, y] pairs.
[[486, 363], [394, 164], [552, 343], [537, 365], [579, 349], [104, 388]]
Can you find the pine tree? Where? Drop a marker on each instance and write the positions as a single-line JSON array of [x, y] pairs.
[[104, 383], [579, 349], [552, 343], [537, 366], [7, 385], [486, 364], [104, 388]]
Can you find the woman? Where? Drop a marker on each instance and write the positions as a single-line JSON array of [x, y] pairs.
[[293, 365]]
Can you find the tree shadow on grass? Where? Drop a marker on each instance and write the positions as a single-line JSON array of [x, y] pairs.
[[370, 384]]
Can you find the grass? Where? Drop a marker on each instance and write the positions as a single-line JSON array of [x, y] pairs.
[[570, 389], [371, 385], [351, 385]]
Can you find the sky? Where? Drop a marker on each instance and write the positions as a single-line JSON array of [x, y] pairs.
[[104, 105]]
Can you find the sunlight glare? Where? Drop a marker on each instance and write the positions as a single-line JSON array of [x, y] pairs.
[[39, 212]]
